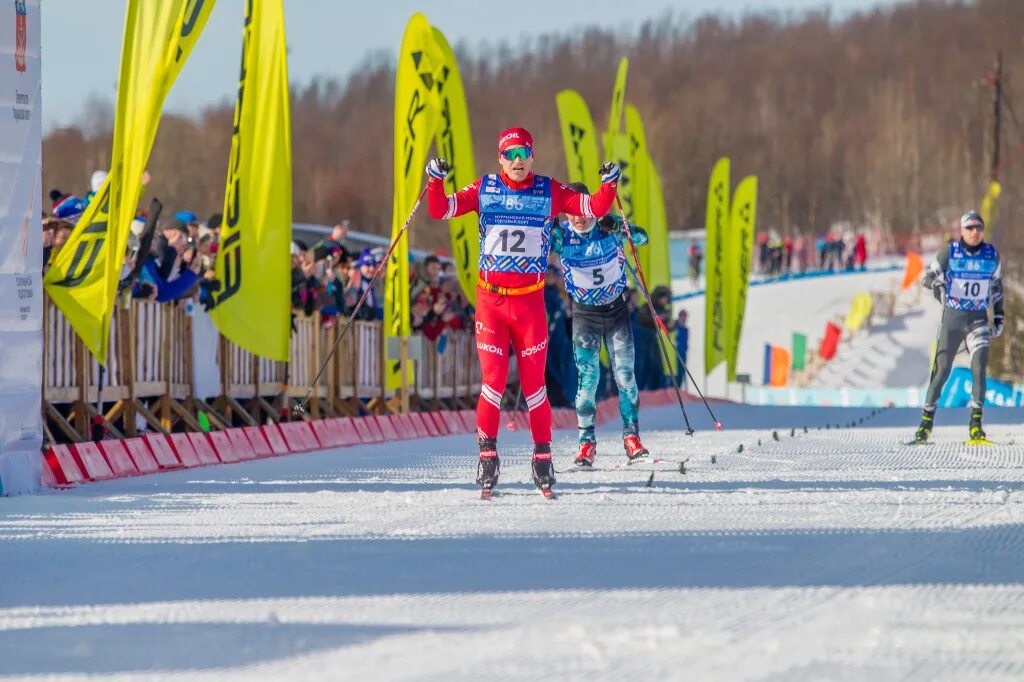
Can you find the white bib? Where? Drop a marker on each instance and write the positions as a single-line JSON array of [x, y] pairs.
[[514, 241], [969, 289], [602, 275]]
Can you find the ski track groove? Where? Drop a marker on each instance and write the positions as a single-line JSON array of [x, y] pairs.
[[834, 554]]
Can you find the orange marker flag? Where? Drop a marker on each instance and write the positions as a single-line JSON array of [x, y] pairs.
[[915, 266]]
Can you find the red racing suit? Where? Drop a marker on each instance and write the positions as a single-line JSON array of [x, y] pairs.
[[515, 237]]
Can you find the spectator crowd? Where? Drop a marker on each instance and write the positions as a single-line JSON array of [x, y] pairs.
[[172, 260]]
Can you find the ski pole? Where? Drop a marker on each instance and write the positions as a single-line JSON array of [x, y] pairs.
[[654, 315], [515, 408], [300, 408], [679, 357]]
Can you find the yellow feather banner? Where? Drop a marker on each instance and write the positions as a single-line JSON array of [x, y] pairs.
[[639, 164], [716, 331], [415, 123], [82, 281], [579, 137], [455, 144], [739, 251], [253, 263]]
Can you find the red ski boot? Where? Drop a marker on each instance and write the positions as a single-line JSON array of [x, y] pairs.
[[586, 457], [634, 448]]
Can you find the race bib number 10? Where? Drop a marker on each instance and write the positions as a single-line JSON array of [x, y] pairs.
[[971, 289]]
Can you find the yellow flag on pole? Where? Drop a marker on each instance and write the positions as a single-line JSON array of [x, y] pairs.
[[639, 163], [739, 257], [716, 331], [455, 144], [415, 124], [579, 138], [82, 281], [615, 111], [990, 207], [253, 262]]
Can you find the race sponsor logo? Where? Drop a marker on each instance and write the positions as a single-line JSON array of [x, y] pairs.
[[490, 348], [532, 350], [482, 328], [20, 34]]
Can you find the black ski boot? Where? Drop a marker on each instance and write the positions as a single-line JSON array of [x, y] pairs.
[[543, 470], [488, 468], [977, 433], [925, 429]]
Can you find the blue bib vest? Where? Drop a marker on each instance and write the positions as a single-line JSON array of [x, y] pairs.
[[969, 277], [515, 226], [593, 265]]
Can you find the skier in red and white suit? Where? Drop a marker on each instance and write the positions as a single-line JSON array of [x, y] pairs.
[[516, 209]]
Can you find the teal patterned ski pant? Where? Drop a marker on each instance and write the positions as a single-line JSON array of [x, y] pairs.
[[590, 326]]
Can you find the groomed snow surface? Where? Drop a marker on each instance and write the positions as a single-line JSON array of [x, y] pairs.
[[826, 555]]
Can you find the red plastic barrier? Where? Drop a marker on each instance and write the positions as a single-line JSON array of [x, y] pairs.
[[385, 423], [117, 457], [186, 452], [419, 425], [141, 455], [468, 420], [403, 423], [278, 445], [325, 434], [439, 422], [452, 421], [362, 430], [62, 464], [91, 461], [299, 437], [47, 477], [243, 448], [347, 434], [523, 420], [258, 443], [204, 450], [162, 451], [223, 446], [376, 435]]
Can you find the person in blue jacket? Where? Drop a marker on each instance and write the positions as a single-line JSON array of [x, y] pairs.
[[594, 269]]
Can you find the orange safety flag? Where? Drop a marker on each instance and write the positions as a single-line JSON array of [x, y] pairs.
[[915, 266], [780, 366]]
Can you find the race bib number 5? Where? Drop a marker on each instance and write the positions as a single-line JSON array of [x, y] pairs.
[[516, 242], [601, 275], [972, 289]]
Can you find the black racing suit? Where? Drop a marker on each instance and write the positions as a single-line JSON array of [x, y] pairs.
[[959, 327]]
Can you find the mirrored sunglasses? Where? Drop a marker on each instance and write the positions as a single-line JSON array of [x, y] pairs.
[[513, 153]]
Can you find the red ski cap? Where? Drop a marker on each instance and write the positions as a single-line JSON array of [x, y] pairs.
[[515, 137]]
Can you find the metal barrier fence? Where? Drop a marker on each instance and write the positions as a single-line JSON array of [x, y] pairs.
[[154, 366]]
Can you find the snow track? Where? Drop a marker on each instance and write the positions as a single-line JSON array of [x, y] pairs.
[[832, 554]]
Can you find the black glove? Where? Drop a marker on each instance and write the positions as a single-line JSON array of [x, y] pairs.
[[609, 224], [997, 325], [938, 289]]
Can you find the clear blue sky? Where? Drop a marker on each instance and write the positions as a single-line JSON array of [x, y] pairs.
[[81, 41]]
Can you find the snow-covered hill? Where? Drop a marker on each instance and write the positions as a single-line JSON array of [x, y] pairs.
[[896, 353]]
